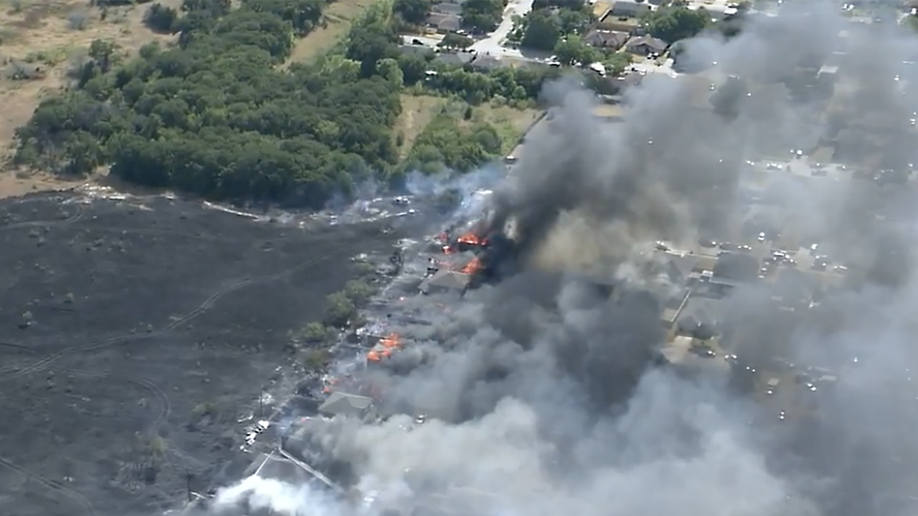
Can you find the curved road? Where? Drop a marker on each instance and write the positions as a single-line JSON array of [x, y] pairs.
[[492, 43]]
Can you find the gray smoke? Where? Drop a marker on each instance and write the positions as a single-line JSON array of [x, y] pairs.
[[541, 389]]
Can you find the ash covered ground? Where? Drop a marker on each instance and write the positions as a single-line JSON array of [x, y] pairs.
[[135, 332], [654, 330]]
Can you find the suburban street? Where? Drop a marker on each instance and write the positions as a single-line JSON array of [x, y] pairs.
[[492, 44]]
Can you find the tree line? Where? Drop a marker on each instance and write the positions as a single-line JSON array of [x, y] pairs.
[[216, 116]]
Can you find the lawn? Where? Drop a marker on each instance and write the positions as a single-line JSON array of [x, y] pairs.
[[338, 18]]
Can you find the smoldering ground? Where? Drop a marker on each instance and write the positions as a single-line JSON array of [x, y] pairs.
[[544, 388]]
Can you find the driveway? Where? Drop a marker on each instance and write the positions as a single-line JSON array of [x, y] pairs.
[[650, 66]]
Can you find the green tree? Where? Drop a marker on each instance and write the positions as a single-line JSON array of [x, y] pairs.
[[543, 30], [370, 42], [412, 11], [563, 4], [389, 69], [453, 40], [303, 15], [339, 310], [482, 15], [214, 8], [674, 24], [573, 49], [160, 18], [446, 144]]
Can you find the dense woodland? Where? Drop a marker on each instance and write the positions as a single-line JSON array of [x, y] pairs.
[[217, 116]]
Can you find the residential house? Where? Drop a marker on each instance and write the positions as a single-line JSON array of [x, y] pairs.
[[601, 8], [454, 8], [455, 58], [620, 24], [612, 87], [444, 23], [610, 39], [700, 317], [418, 50], [629, 9], [348, 405], [487, 62], [646, 45]]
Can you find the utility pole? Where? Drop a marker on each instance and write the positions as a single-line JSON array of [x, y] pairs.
[[188, 477], [261, 404]]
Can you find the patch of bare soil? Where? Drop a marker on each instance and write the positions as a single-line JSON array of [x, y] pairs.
[[40, 42]]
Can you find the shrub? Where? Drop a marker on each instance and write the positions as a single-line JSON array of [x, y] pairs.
[[160, 18]]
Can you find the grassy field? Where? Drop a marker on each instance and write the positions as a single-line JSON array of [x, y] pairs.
[[338, 17], [48, 38], [511, 123], [419, 110]]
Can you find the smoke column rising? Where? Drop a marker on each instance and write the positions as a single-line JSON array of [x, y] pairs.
[[546, 399]]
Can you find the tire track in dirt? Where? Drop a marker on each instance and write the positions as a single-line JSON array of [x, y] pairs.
[[165, 404], [41, 223], [51, 485], [10, 372]]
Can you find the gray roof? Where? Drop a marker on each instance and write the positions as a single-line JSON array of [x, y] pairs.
[[415, 49], [486, 62], [444, 21], [447, 8], [701, 310], [454, 58], [449, 279], [607, 38], [683, 265], [343, 404], [629, 9], [656, 44]]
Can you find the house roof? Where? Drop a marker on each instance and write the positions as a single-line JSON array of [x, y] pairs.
[[700, 310], [447, 8], [487, 62], [629, 9], [343, 404], [449, 279], [656, 44], [683, 264], [455, 58], [607, 38], [444, 21], [415, 50]]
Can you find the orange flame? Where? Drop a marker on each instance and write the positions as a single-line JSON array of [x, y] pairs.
[[472, 267], [469, 239], [373, 356], [391, 341]]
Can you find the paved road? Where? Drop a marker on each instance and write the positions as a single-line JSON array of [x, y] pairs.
[[491, 45]]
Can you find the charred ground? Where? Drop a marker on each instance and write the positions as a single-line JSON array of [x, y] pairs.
[[133, 335]]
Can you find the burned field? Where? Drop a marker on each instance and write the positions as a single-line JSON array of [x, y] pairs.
[[135, 333]]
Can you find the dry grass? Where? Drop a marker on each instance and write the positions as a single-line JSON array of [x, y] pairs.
[[511, 123], [51, 35], [417, 112], [338, 18]]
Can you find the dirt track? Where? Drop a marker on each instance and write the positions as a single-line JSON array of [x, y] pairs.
[[133, 334]]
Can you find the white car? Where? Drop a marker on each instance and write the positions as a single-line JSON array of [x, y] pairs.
[[761, 237]]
